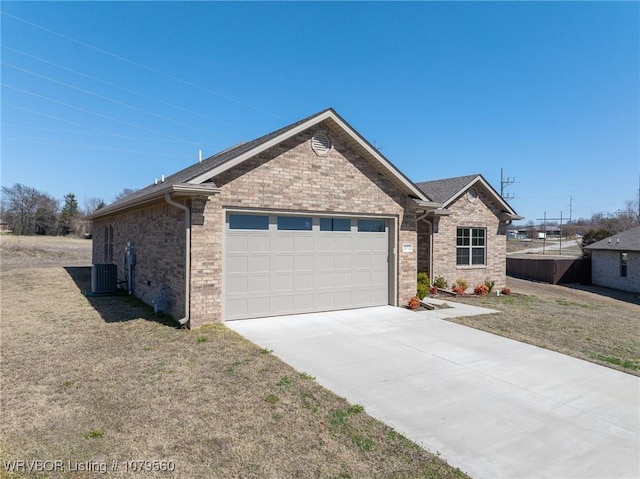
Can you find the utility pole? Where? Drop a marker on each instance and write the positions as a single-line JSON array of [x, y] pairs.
[[544, 238], [570, 208], [504, 182]]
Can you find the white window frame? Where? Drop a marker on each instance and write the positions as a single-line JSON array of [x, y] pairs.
[[471, 247]]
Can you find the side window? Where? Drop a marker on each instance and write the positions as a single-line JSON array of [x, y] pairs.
[[624, 257], [471, 246]]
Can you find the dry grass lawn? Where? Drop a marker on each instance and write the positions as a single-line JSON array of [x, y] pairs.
[[88, 381], [597, 324]]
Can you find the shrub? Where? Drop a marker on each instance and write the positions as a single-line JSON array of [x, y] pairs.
[[433, 290], [462, 283], [440, 282], [413, 303], [489, 284], [422, 291], [458, 290], [505, 291], [481, 290], [423, 285]]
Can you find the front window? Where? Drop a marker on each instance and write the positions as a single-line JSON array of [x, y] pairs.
[[471, 246], [623, 264]]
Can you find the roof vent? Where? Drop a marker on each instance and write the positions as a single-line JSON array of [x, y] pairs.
[[321, 144]]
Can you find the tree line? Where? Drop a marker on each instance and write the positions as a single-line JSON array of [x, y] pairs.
[[28, 211]]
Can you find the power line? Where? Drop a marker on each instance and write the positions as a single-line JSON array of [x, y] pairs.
[[128, 90], [113, 100], [94, 113], [89, 127], [140, 65]]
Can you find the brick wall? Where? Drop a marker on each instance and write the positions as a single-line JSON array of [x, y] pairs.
[[287, 177], [291, 177], [159, 237], [606, 270], [481, 213]]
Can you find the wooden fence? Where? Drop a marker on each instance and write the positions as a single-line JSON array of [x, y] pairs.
[[554, 271]]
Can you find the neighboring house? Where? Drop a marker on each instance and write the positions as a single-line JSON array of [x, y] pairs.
[[466, 237], [308, 218], [615, 261]]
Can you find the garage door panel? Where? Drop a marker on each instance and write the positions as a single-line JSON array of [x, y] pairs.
[[304, 281], [260, 243], [344, 261], [343, 279], [282, 243], [282, 282], [259, 283], [343, 243], [282, 263], [325, 262], [239, 243], [324, 243], [272, 272], [362, 260], [237, 264], [303, 262], [259, 263], [303, 244]]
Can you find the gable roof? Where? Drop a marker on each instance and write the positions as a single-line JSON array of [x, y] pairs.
[[447, 190], [625, 241], [194, 180]]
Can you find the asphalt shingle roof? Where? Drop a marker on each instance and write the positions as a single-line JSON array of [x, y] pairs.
[[442, 191], [625, 241], [207, 164]]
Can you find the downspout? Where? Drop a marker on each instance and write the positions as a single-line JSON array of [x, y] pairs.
[[424, 218], [187, 257]]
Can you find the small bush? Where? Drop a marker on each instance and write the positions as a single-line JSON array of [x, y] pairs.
[[481, 290], [433, 290], [413, 303], [423, 285], [489, 284], [463, 283], [440, 282], [458, 290], [505, 291]]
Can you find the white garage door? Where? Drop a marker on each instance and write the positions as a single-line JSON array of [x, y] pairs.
[[278, 264]]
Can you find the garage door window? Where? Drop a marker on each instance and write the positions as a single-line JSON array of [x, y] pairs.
[[298, 223], [335, 224], [248, 222], [371, 226]]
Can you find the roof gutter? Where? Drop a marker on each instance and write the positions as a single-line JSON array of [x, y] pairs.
[[187, 258], [181, 189]]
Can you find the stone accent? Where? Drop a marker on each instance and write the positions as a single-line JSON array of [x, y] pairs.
[[288, 177], [605, 270], [481, 213]]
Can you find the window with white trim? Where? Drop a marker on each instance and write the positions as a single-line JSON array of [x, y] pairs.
[[471, 246]]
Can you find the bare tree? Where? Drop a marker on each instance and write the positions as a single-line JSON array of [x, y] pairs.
[[91, 205], [29, 211]]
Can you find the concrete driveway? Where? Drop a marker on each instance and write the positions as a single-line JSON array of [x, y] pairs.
[[493, 407]]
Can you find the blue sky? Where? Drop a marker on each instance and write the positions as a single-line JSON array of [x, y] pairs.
[[97, 97]]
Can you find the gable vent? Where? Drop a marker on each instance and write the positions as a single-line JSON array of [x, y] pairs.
[[321, 144]]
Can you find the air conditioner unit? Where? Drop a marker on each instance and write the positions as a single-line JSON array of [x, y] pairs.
[[104, 278]]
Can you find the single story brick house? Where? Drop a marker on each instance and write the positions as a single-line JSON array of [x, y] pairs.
[[466, 237], [615, 261], [307, 218]]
